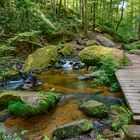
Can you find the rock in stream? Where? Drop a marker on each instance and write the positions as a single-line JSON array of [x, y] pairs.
[[94, 108], [72, 129]]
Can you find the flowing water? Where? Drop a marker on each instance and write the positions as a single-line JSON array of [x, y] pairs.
[[64, 82]]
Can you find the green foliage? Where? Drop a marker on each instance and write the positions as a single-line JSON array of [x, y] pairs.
[[68, 50], [23, 109], [115, 35], [115, 87], [122, 117], [107, 72], [5, 58], [126, 61], [132, 46], [8, 136], [45, 138], [100, 137], [6, 48], [22, 36]]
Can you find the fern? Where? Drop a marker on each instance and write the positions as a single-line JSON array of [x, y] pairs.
[[21, 36], [4, 48], [122, 117]]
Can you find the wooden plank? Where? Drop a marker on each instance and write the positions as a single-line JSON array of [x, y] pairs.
[[133, 101], [131, 84], [129, 80], [128, 74], [132, 97], [136, 118], [131, 90], [136, 112]]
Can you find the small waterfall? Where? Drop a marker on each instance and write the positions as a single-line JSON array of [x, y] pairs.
[[68, 65]]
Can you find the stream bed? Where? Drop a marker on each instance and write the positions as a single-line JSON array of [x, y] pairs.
[[72, 91]]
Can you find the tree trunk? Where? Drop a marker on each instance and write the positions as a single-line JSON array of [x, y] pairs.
[[85, 17], [122, 12], [139, 31], [59, 8], [110, 12], [94, 14]]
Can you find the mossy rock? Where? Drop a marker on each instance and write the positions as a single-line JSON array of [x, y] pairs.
[[23, 103], [8, 75], [103, 40], [68, 49], [41, 58], [93, 55], [72, 129], [94, 108], [7, 96], [132, 132], [32, 105]]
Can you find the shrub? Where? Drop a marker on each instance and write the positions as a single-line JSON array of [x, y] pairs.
[[68, 50], [132, 46], [122, 117], [107, 72]]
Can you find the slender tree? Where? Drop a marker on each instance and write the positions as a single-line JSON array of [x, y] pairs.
[[122, 13]]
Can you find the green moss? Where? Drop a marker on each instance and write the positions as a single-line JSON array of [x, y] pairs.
[[23, 109], [107, 73], [94, 109], [41, 58], [68, 50], [45, 138], [87, 126], [7, 74], [72, 129], [99, 111], [93, 55]]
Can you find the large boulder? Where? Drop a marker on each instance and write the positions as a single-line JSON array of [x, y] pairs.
[[93, 55], [94, 108], [132, 132], [72, 129], [105, 41], [28, 103], [41, 58]]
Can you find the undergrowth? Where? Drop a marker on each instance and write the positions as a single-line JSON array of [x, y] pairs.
[[122, 117], [132, 46], [107, 73]]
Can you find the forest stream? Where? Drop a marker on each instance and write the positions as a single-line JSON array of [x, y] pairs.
[[72, 90]]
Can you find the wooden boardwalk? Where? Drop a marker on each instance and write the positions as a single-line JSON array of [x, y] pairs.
[[129, 79]]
